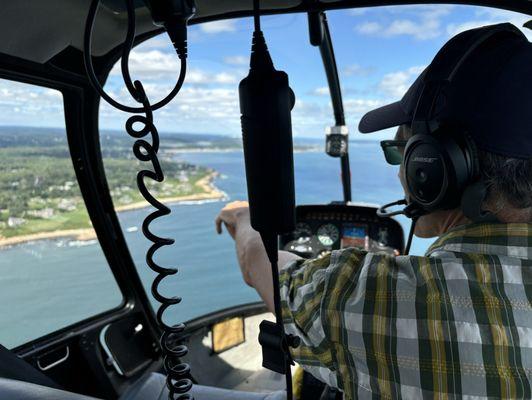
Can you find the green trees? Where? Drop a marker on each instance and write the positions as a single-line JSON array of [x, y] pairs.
[[39, 190]]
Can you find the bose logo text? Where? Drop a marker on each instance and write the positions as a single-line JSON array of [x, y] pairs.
[[425, 159]]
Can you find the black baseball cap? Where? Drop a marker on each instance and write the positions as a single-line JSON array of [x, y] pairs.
[[490, 96]]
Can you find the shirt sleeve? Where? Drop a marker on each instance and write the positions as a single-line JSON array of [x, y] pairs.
[[311, 293]]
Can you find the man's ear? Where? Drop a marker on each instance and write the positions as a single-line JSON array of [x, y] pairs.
[[398, 133], [403, 132]]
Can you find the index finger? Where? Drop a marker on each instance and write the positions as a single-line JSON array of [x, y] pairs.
[[218, 223]]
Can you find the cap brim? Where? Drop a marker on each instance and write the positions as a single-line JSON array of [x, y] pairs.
[[383, 118]]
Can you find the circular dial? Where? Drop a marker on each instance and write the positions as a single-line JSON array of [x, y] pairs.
[[302, 230], [328, 234]]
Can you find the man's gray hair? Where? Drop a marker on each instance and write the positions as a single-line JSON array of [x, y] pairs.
[[509, 180]]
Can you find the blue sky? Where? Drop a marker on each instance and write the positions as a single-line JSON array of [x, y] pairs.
[[379, 53]]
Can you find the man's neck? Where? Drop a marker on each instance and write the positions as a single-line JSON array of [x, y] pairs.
[[437, 223]]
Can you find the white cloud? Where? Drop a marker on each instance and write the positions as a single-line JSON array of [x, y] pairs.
[[355, 108], [421, 22], [152, 63], [428, 29], [321, 91], [157, 65], [24, 104], [225, 77], [395, 84], [454, 29], [160, 42], [204, 109], [369, 28], [227, 25], [423, 10], [487, 16], [357, 11], [357, 70], [215, 109], [199, 77], [310, 118], [424, 22], [195, 109], [237, 60]]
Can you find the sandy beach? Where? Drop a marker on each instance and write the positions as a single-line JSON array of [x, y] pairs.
[[210, 192], [78, 234]]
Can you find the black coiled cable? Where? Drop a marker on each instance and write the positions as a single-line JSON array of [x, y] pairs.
[[177, 379]]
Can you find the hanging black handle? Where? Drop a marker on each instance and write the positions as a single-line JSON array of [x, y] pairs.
[[265, 103]]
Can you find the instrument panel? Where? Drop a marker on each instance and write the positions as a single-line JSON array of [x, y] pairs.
[[323, 228]]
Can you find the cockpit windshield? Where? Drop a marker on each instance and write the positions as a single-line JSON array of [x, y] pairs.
[[379, 52]]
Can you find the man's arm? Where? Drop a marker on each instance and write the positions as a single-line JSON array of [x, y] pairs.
[[254, 263], [310, 293]]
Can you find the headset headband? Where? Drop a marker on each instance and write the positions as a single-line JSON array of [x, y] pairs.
[[443, 70]]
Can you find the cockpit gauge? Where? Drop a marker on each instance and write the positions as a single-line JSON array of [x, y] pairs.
[[302, 230], [328, 234], [301, 246]]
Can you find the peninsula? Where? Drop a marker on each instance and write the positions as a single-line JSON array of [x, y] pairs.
[[40, 197]]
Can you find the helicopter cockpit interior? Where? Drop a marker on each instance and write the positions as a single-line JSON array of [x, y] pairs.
[[81, 57]]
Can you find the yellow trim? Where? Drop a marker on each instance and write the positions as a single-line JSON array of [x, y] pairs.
[[498, 332], [434, 325], [297, 383]]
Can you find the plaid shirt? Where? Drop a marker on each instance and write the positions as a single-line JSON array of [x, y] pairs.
[[456, 323]]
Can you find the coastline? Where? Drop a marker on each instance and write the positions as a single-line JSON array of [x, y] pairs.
[[210, 192], [82, 234], [177, 150]]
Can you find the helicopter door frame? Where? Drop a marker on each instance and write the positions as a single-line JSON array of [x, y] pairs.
[[86, 370], [328, 58]]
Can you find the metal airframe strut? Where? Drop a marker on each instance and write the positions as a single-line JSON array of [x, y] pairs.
[[320, 36]]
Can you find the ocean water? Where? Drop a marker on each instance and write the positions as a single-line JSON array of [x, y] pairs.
[[47, 285]]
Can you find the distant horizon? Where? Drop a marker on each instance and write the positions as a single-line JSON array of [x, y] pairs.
[[370, 138]]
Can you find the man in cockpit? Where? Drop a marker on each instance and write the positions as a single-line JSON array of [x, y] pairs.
[[456, 322]]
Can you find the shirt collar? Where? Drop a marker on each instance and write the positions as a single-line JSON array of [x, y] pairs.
[[513, 240]]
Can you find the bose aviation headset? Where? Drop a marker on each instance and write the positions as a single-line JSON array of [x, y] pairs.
[[440, 163]]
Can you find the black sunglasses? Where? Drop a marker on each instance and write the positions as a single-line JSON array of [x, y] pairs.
[[393, 151]]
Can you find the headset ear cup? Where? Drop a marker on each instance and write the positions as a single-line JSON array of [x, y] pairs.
[[438, 168], [476, 191], [471, 152], [461, 161], [425, 172]]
